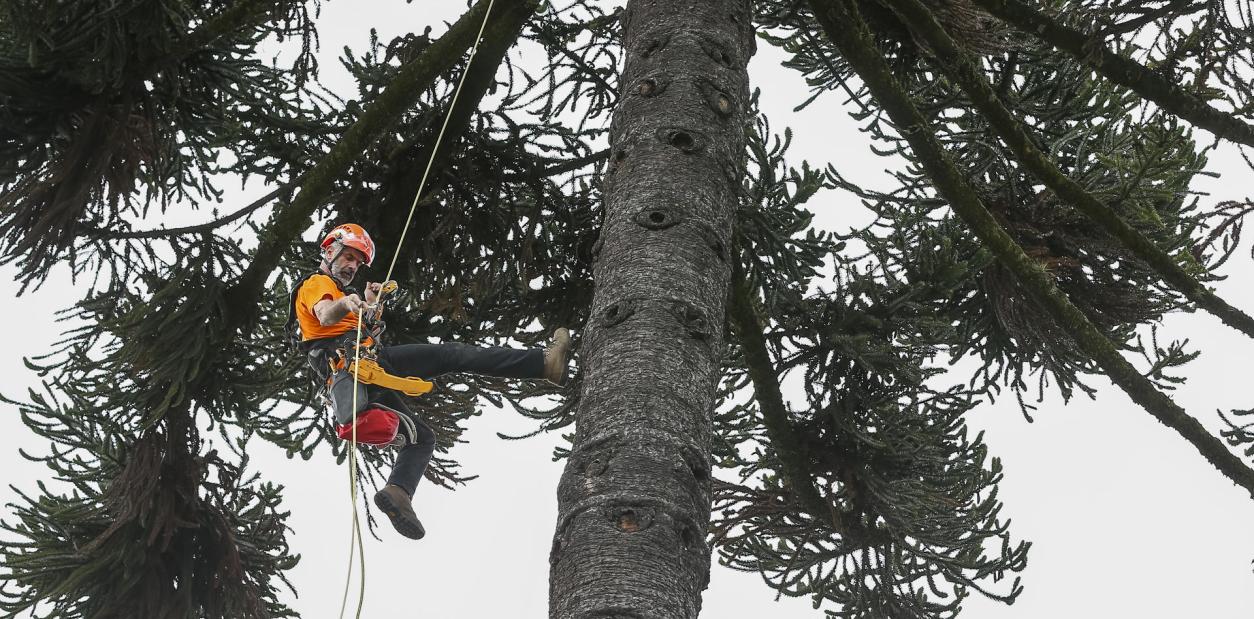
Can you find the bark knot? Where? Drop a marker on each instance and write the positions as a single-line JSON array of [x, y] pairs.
[[631, 519], [615, 313], [687, 141], [716, 98], [687, 536], [718, 53], [713, 240], [652, 85], [620, 155], [694, 319], [653, 45], [658, 217]]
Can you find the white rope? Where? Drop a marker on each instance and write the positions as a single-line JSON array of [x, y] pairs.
[[356, 542]]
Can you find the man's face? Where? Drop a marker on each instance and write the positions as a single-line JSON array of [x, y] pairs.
[[346, 265]]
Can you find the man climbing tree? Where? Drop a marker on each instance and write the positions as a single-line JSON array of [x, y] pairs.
[[1041, 220], [328, 312]]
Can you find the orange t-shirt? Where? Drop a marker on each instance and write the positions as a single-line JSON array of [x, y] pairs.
[[316, 289]]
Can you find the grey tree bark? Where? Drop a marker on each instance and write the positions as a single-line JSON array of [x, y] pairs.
[[634, 499]]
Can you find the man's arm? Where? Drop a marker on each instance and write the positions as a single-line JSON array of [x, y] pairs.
[[330, 312]]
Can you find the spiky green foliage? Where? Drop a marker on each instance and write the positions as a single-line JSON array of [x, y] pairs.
[[144, 521], [901, 511], [1100, 139], [158, 349], [866, 492], [114, 108]]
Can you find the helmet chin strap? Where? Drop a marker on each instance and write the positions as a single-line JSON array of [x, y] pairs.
[[330, 263]]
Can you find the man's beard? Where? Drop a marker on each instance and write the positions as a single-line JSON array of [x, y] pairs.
[[344, 275]]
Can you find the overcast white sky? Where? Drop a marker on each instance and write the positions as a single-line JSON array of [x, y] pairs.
[[1125, 518]]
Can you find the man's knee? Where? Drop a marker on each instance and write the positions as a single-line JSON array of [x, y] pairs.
[[416, 432], [424, 435]]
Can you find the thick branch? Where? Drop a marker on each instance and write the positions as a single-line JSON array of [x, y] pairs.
[[1123, 71], [784, 440], [560, 166], [198, 228], [413, 78], [843, 25], [480, 77], [958, 65]]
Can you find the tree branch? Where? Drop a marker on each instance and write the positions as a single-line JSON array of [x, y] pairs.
[[958, 65], [843, 25], [568, 165], [784, 439], [205, 227], [1123, 71], [1180, 7], [225, 23], [577, 61], [480, 77], [413, 78]]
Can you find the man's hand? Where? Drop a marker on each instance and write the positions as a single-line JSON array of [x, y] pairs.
[[372, 292], [331, 312], [353, 303]]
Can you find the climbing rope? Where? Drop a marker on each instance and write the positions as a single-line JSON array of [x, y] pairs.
[[356, 540]]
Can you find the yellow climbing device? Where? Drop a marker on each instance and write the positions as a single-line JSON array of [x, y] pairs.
[[371, 374]]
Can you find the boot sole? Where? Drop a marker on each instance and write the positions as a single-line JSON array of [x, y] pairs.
[[410, 528]]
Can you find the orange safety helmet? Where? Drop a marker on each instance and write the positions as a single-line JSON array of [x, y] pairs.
[[350, 235]]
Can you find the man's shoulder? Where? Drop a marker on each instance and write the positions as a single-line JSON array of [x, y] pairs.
[[319, 279], [317, 284]]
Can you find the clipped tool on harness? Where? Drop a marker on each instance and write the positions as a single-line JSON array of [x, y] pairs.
[[371, 373], [372, 317]]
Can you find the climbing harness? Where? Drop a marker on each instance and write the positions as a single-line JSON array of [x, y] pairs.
[[346, 364], [336, 360], [360, 362]]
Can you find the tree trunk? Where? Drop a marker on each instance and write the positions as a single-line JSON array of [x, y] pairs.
[[634, 500]]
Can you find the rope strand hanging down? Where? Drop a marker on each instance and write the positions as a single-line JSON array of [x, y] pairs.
[[356, 543]]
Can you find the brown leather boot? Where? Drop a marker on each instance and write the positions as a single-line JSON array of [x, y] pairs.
[[557, 357], [394, 502]]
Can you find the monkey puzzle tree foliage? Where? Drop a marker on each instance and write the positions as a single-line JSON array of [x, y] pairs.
[[1041, 222]]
